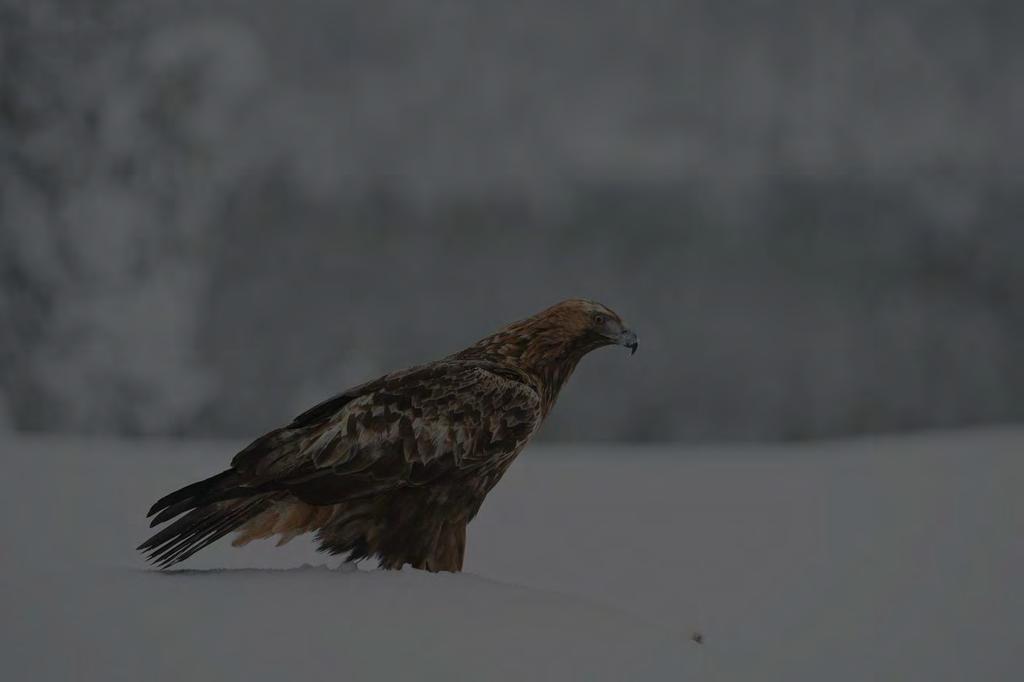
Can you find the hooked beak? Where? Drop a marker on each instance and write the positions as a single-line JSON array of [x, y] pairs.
[[628, 339]]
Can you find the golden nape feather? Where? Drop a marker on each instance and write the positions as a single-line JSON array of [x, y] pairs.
[[397, 467]]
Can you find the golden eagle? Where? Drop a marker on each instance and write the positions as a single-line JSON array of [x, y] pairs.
[[397, 467]]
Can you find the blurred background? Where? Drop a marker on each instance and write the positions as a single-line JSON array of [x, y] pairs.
[[215, 213]]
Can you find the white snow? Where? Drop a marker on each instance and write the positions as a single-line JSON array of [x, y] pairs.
[[888, 559]]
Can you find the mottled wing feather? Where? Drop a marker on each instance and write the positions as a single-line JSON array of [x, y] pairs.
[[404, 429]]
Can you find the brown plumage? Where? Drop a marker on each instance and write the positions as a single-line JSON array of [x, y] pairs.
[[397, 467]]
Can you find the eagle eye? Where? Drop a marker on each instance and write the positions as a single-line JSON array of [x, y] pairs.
[[599, 319]]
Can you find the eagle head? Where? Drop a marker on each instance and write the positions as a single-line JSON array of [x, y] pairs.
[[548, 345], [588, 324]]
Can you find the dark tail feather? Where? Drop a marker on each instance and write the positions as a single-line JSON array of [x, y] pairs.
[[214, 510], [200, 528], [195, 493]]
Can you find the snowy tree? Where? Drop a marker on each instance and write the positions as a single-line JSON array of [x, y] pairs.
[[118, 170]]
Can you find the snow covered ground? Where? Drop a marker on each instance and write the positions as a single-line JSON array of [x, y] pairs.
[[884, 559]]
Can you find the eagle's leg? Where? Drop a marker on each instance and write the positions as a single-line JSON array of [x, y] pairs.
[[449, 549], [437, 545]]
